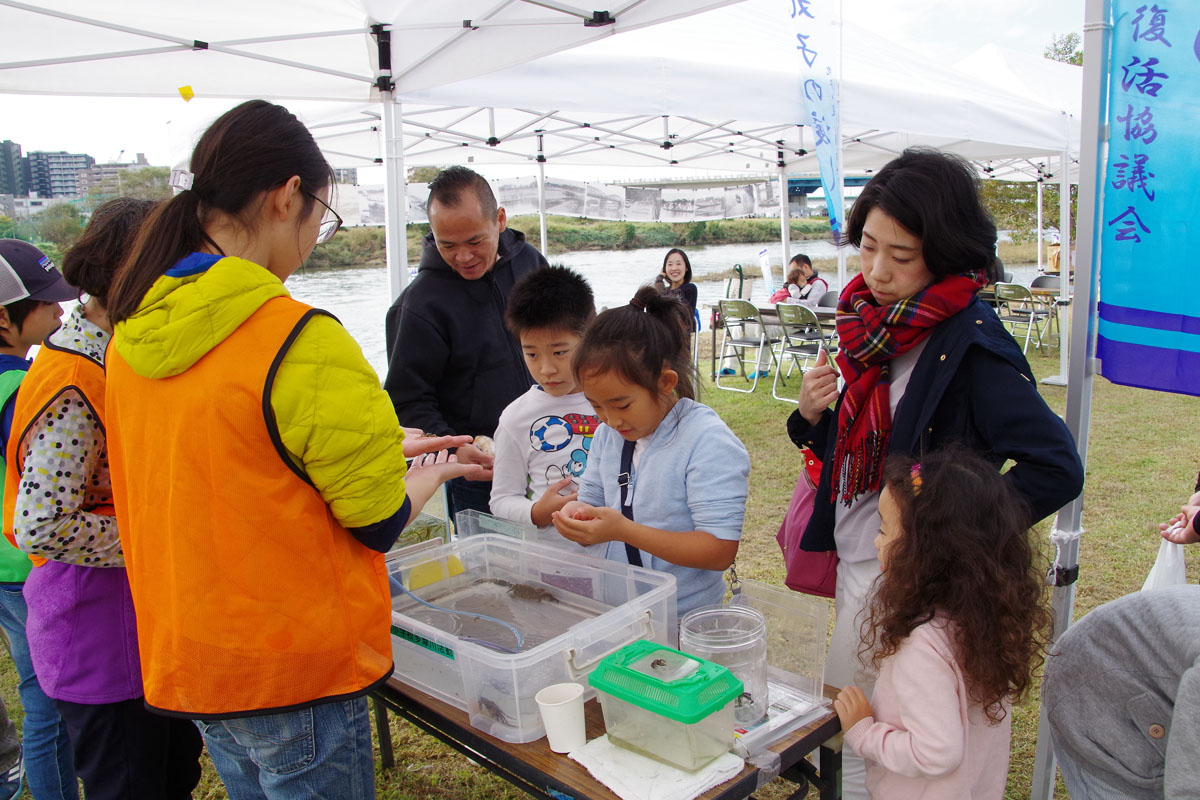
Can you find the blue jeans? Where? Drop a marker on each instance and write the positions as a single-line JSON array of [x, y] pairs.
[[317, 752], [49, 763]]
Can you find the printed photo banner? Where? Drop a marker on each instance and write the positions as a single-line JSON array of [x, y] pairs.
[[364, 204], [1149, 317]]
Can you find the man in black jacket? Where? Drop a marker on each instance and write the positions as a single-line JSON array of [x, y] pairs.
[[452, 364]]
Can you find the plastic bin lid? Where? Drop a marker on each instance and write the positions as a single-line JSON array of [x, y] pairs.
[[663, 680]]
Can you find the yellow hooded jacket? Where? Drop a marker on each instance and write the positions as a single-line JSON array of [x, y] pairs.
[[246, 433]]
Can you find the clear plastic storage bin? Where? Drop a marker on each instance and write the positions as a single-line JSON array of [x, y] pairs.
[[470, 522], [528, 615], [667, 705]]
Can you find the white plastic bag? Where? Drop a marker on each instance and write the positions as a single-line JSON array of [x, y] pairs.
[[1168, 569]]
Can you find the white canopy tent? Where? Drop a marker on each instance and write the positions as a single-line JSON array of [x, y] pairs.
[[298, 50], [609, 104], [293, 50]]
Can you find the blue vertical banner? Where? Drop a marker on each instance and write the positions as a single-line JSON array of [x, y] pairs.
[[817, 38], [1149, 308]]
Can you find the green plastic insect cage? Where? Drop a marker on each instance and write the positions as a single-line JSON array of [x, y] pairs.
[[667, 705]]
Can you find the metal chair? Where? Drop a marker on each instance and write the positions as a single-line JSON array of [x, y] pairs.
[[738, 336], [1053, 306], [803, 339], [1017, 309]]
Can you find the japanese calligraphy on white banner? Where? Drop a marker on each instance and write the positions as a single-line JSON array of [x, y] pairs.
[[815, 28]]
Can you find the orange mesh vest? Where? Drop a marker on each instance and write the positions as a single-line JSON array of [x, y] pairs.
[[55, 371], [249, 595]]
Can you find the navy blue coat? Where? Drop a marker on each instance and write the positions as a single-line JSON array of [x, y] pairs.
[[971, 385]]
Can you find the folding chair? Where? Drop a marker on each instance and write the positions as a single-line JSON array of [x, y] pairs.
[[1018, 309], [802, 341], [1053, 305], [696, 339], [737, 336]]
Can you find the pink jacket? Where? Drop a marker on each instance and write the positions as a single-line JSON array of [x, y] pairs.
[[781, 295], [927, 739]]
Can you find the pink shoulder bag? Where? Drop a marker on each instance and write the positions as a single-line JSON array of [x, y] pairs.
[[811, 572]]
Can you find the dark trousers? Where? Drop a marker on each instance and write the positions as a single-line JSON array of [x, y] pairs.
[[462, 494], [125, 752]]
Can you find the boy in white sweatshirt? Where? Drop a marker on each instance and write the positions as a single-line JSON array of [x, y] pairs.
[[543, 437]]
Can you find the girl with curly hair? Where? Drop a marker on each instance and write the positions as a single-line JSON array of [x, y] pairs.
[[955, 627]]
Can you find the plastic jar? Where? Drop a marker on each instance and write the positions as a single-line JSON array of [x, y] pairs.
[[736, 638]]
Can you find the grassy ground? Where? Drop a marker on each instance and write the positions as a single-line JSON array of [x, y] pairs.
[[1142, 460]]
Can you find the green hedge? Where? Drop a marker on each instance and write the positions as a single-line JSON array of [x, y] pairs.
[[361, 246]]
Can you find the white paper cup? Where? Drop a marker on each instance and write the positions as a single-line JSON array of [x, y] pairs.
[[561, 706]]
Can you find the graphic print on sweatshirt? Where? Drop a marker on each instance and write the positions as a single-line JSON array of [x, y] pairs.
[[570, 436]]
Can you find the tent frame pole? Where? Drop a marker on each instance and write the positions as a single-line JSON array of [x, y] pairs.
[[541, 162], [1064, 261], [1068, 526], [1039, 223], [395, 180], [785, 216]]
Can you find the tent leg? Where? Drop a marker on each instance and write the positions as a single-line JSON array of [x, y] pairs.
[[785, 218], [1039, 225], [1064, 260], [1097, 33], [543, 245], [396, 235]]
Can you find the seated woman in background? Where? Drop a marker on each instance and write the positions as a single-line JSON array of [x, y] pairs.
[[678, 273]]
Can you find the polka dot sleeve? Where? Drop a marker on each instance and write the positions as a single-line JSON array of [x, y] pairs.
[[64, 474]]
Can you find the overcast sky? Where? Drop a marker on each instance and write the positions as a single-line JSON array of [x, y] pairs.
[[949, 29]]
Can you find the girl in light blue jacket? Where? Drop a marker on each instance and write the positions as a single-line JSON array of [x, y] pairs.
[[667, 480]]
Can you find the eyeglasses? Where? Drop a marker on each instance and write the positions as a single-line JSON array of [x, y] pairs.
[[331, 223]]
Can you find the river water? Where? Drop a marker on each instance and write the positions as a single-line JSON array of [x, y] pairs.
[[359, 296]]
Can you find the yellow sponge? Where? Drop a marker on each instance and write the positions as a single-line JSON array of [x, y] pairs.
[[431, 572]]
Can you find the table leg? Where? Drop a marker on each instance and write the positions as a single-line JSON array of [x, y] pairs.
[[831, 771], [826, 777], [387, 758]]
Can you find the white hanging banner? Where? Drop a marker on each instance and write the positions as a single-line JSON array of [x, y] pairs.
[[815, 28]]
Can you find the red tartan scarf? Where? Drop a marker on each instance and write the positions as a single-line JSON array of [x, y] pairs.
[[870, 336]]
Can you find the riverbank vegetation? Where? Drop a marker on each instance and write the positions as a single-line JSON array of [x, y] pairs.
[[364, 246]]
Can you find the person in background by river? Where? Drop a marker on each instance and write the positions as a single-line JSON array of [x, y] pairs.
[[803, 286], [678, 271]]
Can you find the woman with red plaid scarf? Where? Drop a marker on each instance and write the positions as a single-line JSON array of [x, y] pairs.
[[925, 363]]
